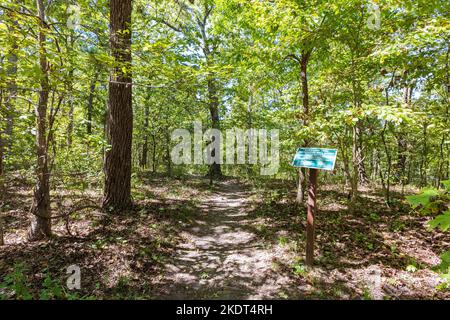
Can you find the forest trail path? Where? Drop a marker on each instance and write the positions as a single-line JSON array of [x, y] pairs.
[[222, 257]]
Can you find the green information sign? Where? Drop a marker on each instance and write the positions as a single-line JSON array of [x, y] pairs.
[[315, 158]]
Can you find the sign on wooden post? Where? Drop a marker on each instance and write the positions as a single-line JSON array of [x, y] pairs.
[[313, 159]]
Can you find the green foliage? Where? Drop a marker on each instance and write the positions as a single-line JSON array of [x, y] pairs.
[[299, 269], [17, 285], [423, 199], [411, 268], [282, 241], [433, 201], [444, 268], [445, 265], [51, 289], [442, 221]]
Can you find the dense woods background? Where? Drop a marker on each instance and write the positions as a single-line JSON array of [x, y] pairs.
[[91, 91]]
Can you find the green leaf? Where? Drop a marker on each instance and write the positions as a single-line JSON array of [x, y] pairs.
[[445, 262], [442, 221], [446, 184], [422, 198]]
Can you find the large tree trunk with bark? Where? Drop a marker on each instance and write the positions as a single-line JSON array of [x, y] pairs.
[[119, 124], [215, 170], [444, 162], [41, 214]]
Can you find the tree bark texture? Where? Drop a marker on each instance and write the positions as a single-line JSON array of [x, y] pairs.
[[119, 123]]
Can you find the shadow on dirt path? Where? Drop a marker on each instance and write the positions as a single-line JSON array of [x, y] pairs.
[[222, 258]]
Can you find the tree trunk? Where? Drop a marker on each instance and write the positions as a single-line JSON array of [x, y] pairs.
[[357, 150], [305, 101], [249, 166], [387, 183], [12, 90], [119, 124], [168, 158], [9, 104], [424, 162], [90, 106], [362, 173], [1, 143], [400, 166], [444, 162], [144, 158], [402, 144], [345, 159], [41, 214], [71, 109], [355, 172], [214, 169], [1, 179], [154, 153], [2, 241]]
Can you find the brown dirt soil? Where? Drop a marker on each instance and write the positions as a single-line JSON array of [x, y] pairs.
[[185, 240]]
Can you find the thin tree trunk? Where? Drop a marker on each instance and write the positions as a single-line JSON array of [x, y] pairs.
[[355, 176], [1, 144], [41, 214], [375, 165], [119, 124], [389, 166], [346, 161], [402, 145], [168, 159], [2, 240], [90, 106], [424, 161], [12, 90], [357, 151], [305, 102], [215, 170], [71, 109], [144, 158], [387, 181], [249, 126], [154, 153], [362, 173], [9, 104]]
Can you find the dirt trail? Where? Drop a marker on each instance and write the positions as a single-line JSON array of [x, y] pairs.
[[222, 258]]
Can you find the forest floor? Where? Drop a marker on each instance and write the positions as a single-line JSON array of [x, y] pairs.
[[187, 240]]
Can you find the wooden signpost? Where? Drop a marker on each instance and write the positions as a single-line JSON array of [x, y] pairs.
[[314, 159]]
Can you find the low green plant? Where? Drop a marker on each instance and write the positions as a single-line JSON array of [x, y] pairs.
[[16, 286], [299, 269], [434, 202], [52, 289]]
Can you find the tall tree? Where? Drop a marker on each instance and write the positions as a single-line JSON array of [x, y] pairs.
[[41, 214], [119, 122], [195, 28]]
